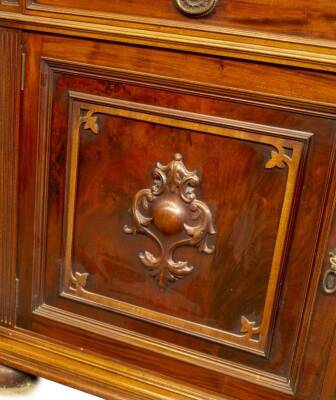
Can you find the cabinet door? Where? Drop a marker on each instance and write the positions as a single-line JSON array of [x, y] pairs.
[[169, 216]]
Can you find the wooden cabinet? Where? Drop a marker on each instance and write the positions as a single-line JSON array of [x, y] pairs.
[[168, 212]]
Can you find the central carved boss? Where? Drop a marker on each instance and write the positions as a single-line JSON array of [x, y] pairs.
[[171, 205]]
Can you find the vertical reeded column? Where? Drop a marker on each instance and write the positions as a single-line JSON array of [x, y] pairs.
[[10, 63]]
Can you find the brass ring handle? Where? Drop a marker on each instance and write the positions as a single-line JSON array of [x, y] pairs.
[[329, 279], [196, 8]]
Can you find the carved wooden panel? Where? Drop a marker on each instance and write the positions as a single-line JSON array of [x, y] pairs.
[[85, 113], [259, 166], [9, 114]]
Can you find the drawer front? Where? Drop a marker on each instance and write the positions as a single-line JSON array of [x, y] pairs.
[[299, 17], [164, 220]]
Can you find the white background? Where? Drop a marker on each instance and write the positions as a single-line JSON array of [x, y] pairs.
[[44, 390]]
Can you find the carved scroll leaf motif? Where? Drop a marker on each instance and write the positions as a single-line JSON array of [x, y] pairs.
[[196, 8], [166, 205]]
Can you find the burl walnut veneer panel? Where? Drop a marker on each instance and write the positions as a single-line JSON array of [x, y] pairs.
[[166, 212]]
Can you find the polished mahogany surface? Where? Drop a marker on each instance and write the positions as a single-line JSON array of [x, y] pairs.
[[308, 19], [259, 163], [118, 162], [167, 197]]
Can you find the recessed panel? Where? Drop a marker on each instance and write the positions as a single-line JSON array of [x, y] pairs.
[[171, 217], [168, 222]]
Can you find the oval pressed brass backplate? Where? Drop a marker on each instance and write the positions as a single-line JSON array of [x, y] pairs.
[[329, 279], [196, 8]]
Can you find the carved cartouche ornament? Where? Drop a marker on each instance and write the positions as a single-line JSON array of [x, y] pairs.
[[196, 8], [172, 208]]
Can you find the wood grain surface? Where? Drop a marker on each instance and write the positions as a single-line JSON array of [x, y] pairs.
[[150, 105]]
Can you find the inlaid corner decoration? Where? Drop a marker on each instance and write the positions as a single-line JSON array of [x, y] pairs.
[[278, 159], [172, 212], [168, 205], [249, 328]]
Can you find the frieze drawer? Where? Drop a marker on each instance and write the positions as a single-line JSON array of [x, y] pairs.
[[283, 19]]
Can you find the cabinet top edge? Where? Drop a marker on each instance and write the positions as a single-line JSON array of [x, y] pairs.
[[279, 49]]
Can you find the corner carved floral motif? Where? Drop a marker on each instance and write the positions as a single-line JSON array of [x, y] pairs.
[[278, 159], [90, 122], [249, 328], [172, 207], [78, 281]]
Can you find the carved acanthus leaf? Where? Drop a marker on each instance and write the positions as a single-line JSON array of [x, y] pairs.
[[168, 205]]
